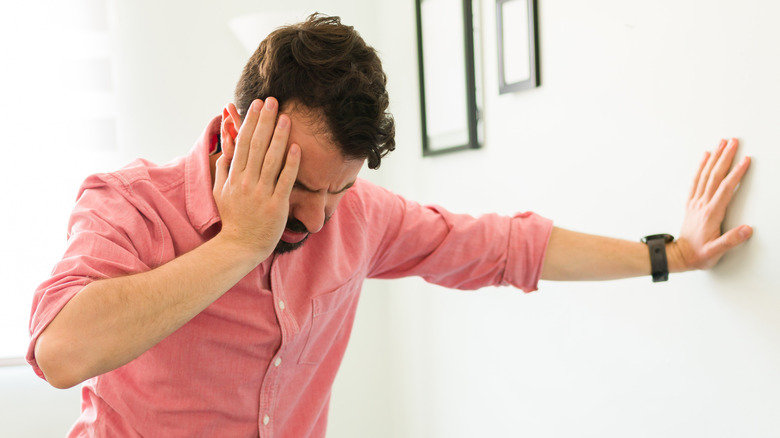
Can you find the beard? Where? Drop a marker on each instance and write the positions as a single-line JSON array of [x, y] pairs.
[[295, 226]]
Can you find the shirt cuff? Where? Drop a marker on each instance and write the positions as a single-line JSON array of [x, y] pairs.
[[529, 235], [45, 313]]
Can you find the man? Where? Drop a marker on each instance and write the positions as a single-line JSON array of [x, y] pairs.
[[214, 296]]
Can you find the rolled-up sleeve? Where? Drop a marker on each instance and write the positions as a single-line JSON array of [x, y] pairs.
[[105, 232], [454, 250], [529, 235]]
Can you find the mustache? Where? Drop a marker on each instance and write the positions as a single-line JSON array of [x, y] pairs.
[[297, 226]]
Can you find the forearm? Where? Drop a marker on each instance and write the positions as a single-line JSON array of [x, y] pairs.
[[578, 256], [113, 321]]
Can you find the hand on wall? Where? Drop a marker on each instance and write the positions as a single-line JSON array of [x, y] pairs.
[[701, 242]]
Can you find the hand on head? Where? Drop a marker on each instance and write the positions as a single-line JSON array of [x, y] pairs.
[[255, 175]]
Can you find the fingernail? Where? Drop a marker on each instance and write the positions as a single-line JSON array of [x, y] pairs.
[[745, 232], [257, 105], [283, 122], [270, 103]]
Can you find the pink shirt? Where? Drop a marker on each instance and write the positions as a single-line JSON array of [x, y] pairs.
[[261, 360]]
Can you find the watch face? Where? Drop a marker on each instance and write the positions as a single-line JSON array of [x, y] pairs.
[[667, 237]]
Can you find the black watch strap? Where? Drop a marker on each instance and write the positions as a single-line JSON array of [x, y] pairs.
[[656, 244]]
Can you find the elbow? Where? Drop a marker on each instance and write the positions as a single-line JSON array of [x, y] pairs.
[[58, 370], [61, 382]]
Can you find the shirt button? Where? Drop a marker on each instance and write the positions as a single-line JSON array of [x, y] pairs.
[[266, 419], [281, 304], [278, 361]]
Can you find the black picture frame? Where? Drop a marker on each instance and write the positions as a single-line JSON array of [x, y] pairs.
[[467, 136], [516, 42]]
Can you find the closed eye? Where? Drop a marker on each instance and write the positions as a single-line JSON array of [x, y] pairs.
[[301, 186]]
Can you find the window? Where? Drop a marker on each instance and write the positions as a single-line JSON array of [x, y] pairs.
[[58, 119]]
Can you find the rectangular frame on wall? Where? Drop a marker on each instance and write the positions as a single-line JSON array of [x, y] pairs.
[[446, 63], [518, 45]]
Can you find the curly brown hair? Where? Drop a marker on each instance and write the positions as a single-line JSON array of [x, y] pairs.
[[327, 68]]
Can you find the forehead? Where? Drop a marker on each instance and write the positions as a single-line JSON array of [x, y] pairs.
[[323, 166]]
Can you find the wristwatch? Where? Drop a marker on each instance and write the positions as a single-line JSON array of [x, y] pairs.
[[656, 244]]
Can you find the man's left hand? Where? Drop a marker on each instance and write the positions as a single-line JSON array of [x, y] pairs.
[[701, 242]]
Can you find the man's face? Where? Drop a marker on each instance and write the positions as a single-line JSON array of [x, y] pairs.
[[324, 176]]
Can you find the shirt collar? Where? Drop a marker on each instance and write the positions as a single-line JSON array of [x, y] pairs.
[[199, 199]]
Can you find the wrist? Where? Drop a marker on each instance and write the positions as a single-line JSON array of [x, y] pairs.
[[657, 244], [238, 252], [674, 255]]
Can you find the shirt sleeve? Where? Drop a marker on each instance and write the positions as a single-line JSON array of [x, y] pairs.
[[106, 236], [453, 250]]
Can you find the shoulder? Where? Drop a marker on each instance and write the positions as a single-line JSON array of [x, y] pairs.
[[375, 206], [126, 198], [138, 174], [370, 201], [366, 194], [123, 212]]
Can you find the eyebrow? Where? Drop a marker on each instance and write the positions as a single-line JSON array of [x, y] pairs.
[[304, 187]]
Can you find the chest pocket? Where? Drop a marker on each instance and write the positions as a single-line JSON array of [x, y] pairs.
[[332, 315]]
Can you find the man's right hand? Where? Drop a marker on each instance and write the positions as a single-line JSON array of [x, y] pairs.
[[113, 321], [253, 179]]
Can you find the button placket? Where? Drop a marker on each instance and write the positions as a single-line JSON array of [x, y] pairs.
[[270, 387]]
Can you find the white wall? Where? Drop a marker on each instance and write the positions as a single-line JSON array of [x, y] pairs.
[[30, 408], [632, 94]]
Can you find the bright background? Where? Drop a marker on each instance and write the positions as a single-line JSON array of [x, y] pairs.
[[632, 94]]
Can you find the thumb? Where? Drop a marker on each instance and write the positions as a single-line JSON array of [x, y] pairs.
[[730, 239]]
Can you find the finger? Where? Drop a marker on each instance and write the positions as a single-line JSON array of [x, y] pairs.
[[721, 168], [289, 173], [705, 175], [261, 137], [245, 136], [274, 157], [695, 184], [725, 192]]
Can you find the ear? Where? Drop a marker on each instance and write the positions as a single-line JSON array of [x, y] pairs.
[[231, 122]]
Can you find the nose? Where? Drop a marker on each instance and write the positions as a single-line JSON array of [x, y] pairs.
[[311, 210]]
